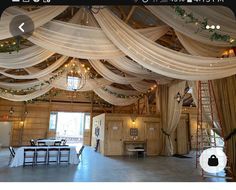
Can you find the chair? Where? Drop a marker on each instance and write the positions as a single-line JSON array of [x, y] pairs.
[[64, 155], [32, 142], [57, 143], [41, 156], [63, 142], [53, 154], [29, 157], [81, 151], [41, 143], [12, 154]]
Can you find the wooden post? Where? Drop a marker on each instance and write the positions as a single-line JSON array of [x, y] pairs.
[[91, 119], [158, 100], [138, 106], [130, 14]]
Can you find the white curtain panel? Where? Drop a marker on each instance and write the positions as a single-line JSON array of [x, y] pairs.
[[160, 59], [173, 115], [227, 23]]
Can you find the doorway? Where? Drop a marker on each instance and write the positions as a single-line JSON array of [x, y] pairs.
[[70, 126], [5, 133]]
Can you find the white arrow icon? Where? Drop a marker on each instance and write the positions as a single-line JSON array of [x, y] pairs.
[[20, 27]]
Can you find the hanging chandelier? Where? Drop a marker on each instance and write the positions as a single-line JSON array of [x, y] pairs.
[[76, 76]]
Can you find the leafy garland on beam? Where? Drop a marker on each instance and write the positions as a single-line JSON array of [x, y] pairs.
[[201, 24], [33, 88], [130, 96], [11, 45]]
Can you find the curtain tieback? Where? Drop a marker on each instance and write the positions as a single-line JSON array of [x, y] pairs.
[[164, 132], [233, 133]]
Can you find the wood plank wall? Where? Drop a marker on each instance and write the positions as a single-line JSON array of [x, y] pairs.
[[36, 123], [115, 130]]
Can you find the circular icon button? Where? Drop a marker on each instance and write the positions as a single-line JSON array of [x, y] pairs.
[[21, 25], [213, 160]]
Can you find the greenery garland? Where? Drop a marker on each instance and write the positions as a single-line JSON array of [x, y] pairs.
[[130, 96], [11, 45], [190, 18], [33, 88]]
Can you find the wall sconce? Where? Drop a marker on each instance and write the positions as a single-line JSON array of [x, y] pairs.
[[178, 96], [11, 111], [133, 122], [133, 118], [21, 123]]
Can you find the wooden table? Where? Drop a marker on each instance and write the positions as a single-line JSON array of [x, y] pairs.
[[134, 143], [136, 151]]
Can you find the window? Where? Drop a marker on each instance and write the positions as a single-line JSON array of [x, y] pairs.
[[53, 121], [72, 83], [87, 122]]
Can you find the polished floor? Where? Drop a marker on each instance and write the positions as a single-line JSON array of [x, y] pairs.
[[96, 168]]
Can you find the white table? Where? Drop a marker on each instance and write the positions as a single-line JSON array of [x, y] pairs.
[[18, 160], [48, 142]]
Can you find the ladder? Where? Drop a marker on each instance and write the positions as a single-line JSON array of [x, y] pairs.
[[208, 123]]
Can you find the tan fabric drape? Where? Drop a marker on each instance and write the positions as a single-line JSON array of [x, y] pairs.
[[170, 113], [225, 92]]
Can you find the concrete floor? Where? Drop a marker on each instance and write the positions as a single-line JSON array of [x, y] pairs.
[[96, 168]]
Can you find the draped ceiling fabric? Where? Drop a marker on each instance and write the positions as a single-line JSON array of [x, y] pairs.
[[133, 51], [40, 17], [214, 16], [160, 59], [225, 90]]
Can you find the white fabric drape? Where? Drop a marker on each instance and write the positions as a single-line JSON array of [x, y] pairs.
[[109, 75], [27, 57], [123, 92], [198, 48], [142, 86], [170, 116], [90, 42], [113, 99], [168, 15], [133, 68], [41, 73], [160, 59], [20, 98], [40, 17]]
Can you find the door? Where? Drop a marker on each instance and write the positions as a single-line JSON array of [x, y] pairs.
[[114, 138], [182, 137], [153, 138], [5, 133]]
